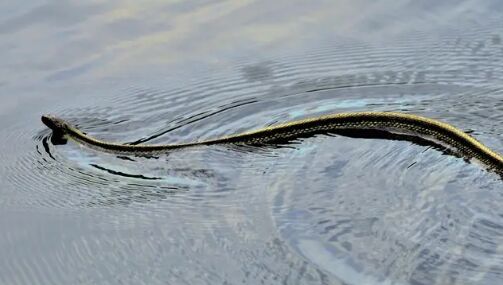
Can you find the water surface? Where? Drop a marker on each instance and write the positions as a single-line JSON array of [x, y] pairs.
[[320, 210]]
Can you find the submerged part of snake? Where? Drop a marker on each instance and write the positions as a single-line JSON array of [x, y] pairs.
[[428, 129]]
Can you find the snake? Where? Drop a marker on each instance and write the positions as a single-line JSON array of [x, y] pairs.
[[446, 135]]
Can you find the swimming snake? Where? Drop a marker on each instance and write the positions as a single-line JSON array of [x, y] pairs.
[[464, 145]]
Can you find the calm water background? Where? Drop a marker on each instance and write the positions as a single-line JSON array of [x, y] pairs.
[[321, 210]]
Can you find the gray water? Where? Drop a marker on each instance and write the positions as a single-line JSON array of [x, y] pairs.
[[325, 209]]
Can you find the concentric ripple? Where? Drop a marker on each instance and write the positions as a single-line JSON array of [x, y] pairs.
[[321, 209]]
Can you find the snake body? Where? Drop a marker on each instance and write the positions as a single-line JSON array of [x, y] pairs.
[[463, 144]]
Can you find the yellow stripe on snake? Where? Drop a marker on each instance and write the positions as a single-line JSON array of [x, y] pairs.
[[463, 144]]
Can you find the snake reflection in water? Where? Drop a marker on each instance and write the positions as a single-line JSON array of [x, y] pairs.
[[359, 124]]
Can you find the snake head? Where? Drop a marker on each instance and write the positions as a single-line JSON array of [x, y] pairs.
[[58, 127], [54, 123]]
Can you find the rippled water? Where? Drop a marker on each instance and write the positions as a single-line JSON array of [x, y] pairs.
[[326, 209]]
